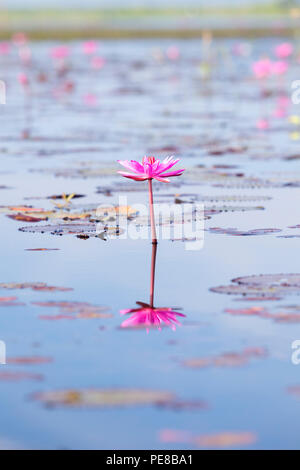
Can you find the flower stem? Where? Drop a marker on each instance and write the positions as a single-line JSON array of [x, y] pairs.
[[153, 230], [152, 277]]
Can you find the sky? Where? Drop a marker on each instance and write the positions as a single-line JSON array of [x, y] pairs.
[[118, 3]]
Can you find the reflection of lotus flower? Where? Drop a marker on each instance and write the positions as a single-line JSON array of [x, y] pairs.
[[150, 168], [150, 317]]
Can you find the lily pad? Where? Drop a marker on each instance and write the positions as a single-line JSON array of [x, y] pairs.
[[37, 286], [242, 233], [103, 398]]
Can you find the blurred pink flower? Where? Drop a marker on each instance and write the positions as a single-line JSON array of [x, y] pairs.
[[279, 112], [173, 53], [97, 63], [150, 168], [283, 101], [262, 124], [25, 54], [60, 52], [19, 39], [284, 50], [90, 99], [262, 68], [150, 317], [23, 79], [279, 67], [89, 47], [4, 48]]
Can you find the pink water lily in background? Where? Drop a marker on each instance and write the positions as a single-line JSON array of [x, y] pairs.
[[97, 62], [279, 67], [89, 47], [60, 52], [23, 79], [150, 168], [19, 39], [4, 48], [263, 124], [262, 68], [150, 317], [284, 50]]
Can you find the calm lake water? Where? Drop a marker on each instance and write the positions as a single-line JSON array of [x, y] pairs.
[[119, 3], [204, 106]]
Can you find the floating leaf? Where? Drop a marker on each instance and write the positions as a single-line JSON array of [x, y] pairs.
[[41, 249], [230, 359], [29, 360], [225, 439], [242, 233], [80, 309], [25, 218], [10, 302], [260, 285], [10, 376], [38, 286], [84, 230], [76, 398], [294, 390]]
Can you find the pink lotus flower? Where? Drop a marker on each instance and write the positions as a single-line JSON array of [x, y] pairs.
[[262, 124], [262, 68], [173, 53], [89, 47], [60, 52], [23, 79], [279, 67], [284, 50], [279, 112], [150, 168], [4, 48], [150, 317], [97, 63]]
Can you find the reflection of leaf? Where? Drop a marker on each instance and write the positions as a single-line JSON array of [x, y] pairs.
[[286, 315], [243, 233], [25, 218], [261, 285], [230, 359], [81, 230], [76, 398], [216, 440], [10, 302], [225, 439], [80, 309], [294, 390], [17, 376], [40, 286], [29, 360], [41, 249]]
